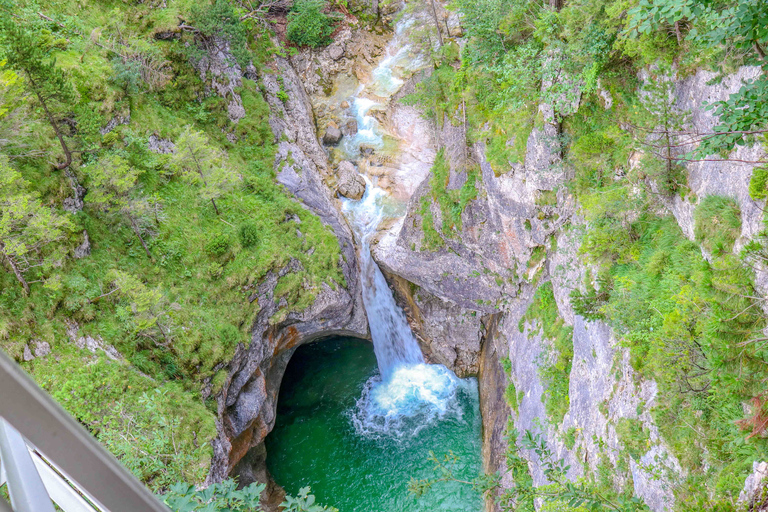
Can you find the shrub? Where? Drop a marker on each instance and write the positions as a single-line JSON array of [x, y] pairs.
[[633, 436], [718, 223], [217, 246], [249, 235], [308, 25], [758, 185]]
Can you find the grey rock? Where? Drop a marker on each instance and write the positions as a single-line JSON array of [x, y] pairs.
[[90, 343], [754, 484], [27, 355], [335, 51], [218, 69], [161, 146], [41, 348], [115, 122], [350, 184], [84, 249], [332, 135], [447, 333], [367, 150], [350, 127], [74, 203]]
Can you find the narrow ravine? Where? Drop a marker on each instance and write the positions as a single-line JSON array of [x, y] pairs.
[[357, 429]]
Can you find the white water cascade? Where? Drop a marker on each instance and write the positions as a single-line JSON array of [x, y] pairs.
[[408, 394]]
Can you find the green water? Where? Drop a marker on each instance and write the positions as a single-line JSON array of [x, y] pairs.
[[315, 441]]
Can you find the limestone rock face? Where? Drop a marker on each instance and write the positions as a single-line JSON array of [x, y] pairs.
[[351, 184], [350, 127], [753, 487], [448, 334], [248, 399], [84, 249], [512, 239]]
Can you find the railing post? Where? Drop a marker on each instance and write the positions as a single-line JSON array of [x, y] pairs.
[[63, 441], [25, 487]]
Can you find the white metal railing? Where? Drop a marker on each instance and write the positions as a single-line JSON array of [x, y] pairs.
[[46, 457]]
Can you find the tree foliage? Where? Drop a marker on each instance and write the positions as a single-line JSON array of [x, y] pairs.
[[114, 188], [30, 232], [25, 51], [202, 165], [309, 24]]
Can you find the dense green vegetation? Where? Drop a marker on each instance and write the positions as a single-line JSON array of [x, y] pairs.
[[309, 24], [451, 202], [691, 324], [178, 239], [226, 496]]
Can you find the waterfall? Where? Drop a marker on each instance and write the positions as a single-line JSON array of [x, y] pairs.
[[408, 394], [393, 340]]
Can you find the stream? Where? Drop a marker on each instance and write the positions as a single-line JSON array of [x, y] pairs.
[[355, 423]]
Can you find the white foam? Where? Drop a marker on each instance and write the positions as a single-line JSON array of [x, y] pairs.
[[410, 399]]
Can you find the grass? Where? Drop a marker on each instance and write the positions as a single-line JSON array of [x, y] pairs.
[[205, 266], [451, 202]]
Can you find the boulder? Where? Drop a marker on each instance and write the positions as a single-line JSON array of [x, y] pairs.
[[350, 127], [344, 104], [366, 149], [335, 51], [350, 184], [332, 135]]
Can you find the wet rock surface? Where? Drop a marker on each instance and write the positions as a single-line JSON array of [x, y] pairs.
[[351, 184]]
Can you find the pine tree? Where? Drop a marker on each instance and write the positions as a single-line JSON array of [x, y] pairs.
[[25, 52], [26, 226], [113, 187], [203, 165]]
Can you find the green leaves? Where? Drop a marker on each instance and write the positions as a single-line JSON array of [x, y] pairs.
[[29, 231], [223, 497], [203, 165], [304, 502], [309, 25]]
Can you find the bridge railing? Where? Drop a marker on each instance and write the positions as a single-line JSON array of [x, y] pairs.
[[46, 457]]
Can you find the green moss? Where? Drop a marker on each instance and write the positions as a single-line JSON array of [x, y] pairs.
[[432, 239], [452, 202], [511, 396], [758, 183], [546, 198]]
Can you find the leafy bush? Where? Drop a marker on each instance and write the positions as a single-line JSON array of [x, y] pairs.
[[758, 184], [249, 235], [217, 246], [633, 436], [718, 223], [225, 496], [569, 437], [308, 25]]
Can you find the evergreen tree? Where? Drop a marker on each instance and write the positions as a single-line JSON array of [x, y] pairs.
[[203, 165], [26, 226], [113, 187], [25, 52]]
